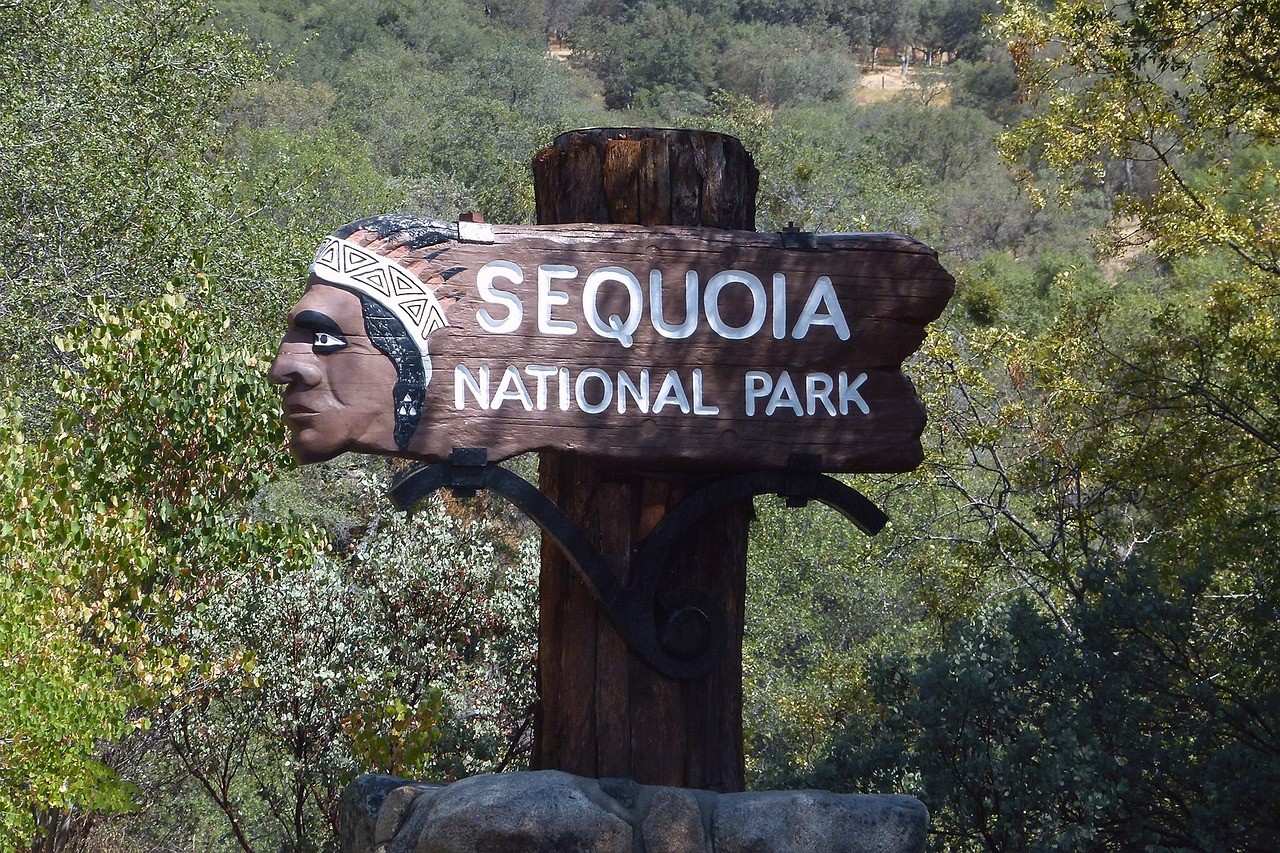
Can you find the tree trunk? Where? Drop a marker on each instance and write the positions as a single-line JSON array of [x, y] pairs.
[[603, 711]]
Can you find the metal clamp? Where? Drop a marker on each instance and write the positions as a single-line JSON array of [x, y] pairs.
[[679, 636], [794, 238]]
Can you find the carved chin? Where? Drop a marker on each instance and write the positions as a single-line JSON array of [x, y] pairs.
[[310, 445]]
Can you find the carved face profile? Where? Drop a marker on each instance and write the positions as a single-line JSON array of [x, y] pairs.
[[354, 359]]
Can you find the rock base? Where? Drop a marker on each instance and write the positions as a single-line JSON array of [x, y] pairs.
[[547, 811]]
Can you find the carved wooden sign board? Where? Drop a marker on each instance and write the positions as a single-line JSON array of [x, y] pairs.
[[667, 347]]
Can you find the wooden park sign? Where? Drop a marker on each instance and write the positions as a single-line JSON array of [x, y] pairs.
[[693, 348], [668, 363]]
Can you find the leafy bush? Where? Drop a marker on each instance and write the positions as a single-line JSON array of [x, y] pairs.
[[815, 173], [131, 512], [988, 86], [658, 45], [1143, 717], [411, 653]]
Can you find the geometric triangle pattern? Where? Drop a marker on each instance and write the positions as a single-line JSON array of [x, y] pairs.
[[345, 264]]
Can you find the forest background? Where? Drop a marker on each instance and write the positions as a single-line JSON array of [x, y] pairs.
[[1067, 639]]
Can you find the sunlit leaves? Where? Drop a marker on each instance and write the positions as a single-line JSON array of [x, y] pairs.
[[1185, 86], [125, 515]]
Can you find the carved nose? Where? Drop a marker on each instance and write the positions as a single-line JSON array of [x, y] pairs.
[[292, 367]]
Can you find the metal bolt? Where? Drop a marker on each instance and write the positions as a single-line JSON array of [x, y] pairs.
[[687, 633]]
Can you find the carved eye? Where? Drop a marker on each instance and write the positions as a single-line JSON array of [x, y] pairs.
[[326, 343]]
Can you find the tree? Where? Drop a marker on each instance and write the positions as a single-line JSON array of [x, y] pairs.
[[411, 653], [878, 23], [659, 45], [816, 174], [115, 171], [128, 514], [1188, 85], [105, 179], [781, 65], [1124, 731], [988, 86]]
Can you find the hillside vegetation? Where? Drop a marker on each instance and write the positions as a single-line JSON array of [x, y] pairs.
[[1067, 639]]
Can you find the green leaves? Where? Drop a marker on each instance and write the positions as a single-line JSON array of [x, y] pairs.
[[108, 114], [132, 509], [1162, 84], [1096, 732]]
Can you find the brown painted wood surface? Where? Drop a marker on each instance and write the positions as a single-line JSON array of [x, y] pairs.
[[603, 711], [888, 286]]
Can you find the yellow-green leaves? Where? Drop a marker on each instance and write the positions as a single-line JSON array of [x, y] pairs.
[[119, 520], [1181, 86]]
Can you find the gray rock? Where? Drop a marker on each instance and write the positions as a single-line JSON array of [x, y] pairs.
[[540, 812], [673, 823], [808, 821], [552, 812], [395, 810], [359, 807]]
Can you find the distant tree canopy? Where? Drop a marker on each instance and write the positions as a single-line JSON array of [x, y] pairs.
[[776, 52]]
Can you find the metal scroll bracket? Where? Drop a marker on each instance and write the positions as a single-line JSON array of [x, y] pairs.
[[680, 635]]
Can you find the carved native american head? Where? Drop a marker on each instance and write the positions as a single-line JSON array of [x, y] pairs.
[[354, 358]]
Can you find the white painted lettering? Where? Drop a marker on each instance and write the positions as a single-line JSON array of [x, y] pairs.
[[817, 388], [672, 391], [690, 323], [825, 293], [779, 306], [511, 388], [463, 379], [489, 293], [548, 299], [541, 373], [759, 384], [700, 408], [711, 304], [640, 394], [606, 396], [564, 389], [615, 327], [849, 393], [784, 394]]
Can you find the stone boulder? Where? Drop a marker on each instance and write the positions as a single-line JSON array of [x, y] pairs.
[[547, 811]]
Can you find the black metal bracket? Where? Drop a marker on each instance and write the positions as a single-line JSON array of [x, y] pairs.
[[794, 238], [678, 634]]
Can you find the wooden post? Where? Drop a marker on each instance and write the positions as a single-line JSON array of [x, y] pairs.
[[603, 711]]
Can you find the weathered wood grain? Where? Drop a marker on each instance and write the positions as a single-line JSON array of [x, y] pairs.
[[888, 288], [671, 726], [617, 476]]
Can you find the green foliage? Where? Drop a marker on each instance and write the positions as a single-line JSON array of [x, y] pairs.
[[394, 737], [122, 518], [112, 185], [107, 113], [1141, 719], [1106, 450], [948, 143], [981, 298], [819, 592], [1188, 84], [988, 86], [815, 174], [955, 26], [1027, 293], [410, 652], [470, 104], [658, 45], [1064, 640]]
